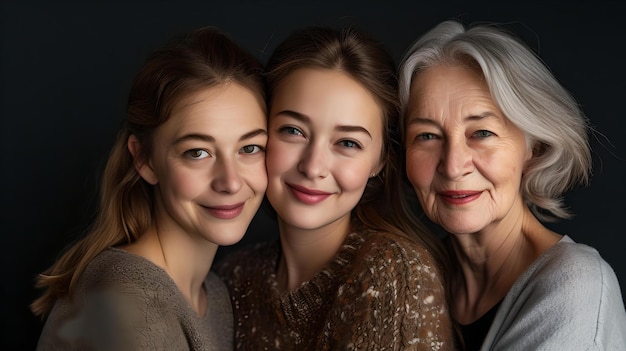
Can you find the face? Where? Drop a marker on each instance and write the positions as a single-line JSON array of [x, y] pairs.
[[464, 157], [208, 164], [325, 141]]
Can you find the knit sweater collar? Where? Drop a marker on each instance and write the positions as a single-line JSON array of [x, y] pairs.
[[305, 302]]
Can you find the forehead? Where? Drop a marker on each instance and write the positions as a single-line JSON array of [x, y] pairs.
[[449, 87], [448, 80], [325, 93], [228, 104]]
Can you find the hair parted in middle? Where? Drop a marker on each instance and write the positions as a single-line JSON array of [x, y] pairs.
[[356, 53]]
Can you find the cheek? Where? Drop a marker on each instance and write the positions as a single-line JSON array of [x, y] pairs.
[[419, 170], [257, 177], [280, 157], [352, 176], [184, 183], [501, 168]]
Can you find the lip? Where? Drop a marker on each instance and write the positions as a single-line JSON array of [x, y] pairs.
[[459, 197], [308, 196], [225, 211]]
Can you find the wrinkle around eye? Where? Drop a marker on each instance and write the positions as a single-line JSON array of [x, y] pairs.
[[483, 133]]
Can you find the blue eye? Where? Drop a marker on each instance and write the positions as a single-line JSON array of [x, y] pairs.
[[291, 130], [196, 154], [350, 144], [426, 136], [252, 149], [483, 134]]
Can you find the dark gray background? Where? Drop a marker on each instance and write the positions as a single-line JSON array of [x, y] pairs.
[[66, 68]]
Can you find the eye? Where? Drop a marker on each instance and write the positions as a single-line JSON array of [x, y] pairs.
[[483, 134], [426, 136], [350, 144], [196, 154], [252, 149], [290, 130]]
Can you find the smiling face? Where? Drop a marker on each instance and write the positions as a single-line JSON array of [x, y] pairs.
[[208, 164], [325, 141], [464, 157]]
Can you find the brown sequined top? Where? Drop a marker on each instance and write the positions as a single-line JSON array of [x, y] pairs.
[[380, 292]]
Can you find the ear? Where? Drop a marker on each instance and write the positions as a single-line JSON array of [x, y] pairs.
[[536, 150], [532, 152], [377, 170], [144, 168]]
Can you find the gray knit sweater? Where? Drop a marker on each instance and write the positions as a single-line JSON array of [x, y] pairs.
[[568, 299], [380, 292], [125, 302]]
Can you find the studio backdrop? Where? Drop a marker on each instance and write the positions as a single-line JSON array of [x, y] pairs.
[[67, 68]]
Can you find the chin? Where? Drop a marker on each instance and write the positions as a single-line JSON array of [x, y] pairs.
[[228, 241], [226, 237]]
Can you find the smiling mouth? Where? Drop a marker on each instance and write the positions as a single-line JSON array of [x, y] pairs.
[[308, 196], [459, 198], [226, 211]]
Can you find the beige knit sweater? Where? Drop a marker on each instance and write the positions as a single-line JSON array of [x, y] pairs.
[[380, 292], [125, 302]]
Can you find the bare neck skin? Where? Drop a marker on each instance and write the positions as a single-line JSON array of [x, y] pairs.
[[186, 259], [305, 252], [493, 259]]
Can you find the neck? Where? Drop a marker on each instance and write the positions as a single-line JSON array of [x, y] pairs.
[[492, 259], [185, 259], [305, 252]]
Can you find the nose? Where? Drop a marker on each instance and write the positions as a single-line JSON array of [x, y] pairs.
[[226, 177], [456, 160], [314, 162]]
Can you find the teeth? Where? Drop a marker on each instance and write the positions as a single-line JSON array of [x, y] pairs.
[[458, 196]]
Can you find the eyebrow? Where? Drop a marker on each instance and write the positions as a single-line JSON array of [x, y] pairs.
[[306, 119], [210, 139], [483, 115]]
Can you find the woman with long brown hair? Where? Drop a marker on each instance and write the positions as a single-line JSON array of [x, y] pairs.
[[186, 174]]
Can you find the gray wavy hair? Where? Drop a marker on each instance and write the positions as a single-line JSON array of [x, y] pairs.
[[527, 93]]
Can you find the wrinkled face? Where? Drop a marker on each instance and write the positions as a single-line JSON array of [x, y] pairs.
[[208, 164], [464, 157], [325, 141]]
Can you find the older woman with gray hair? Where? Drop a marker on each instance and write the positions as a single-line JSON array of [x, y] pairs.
[[493, 141]]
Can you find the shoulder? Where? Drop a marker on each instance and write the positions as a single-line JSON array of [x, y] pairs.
[[384, 257], [118, 268], [571, 279], [571, 273], [393, 250], [580, 290], [113, 298], [385, 272], [570, 264]]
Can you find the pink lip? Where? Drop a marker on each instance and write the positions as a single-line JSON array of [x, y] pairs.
[[460, 197], [225, 211], [308, 196]]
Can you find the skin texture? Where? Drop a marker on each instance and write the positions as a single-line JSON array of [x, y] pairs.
[[465, 160], [458, 140], [325, 142], [208, 169]]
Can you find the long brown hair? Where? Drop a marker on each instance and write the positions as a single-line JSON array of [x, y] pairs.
[[383, 206], [203, 58]]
